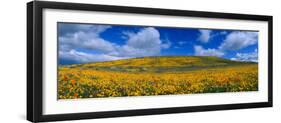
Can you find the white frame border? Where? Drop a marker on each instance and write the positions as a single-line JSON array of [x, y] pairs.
[[52, 106]]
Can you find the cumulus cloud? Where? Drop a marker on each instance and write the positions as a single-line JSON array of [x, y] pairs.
[[82, 57], [238, 40], [147, 39], [200, 51], [145, 42], [69, 28], [253, 56], [204, 36], [83, 36], [87, 40], [235, 40]]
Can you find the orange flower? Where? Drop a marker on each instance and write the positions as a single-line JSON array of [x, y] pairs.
[[72, 81], [75, 95], [65, 78]]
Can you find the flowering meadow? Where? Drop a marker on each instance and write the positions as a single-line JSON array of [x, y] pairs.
[[156, 76]]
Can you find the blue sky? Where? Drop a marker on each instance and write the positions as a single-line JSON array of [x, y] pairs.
[[82, 43]]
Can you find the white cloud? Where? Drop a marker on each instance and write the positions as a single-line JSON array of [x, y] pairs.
[[238, 40], [146, 42], [82, 57], [204, 36], [86, 36], [145, 38], [127, 34], [87, 40], [234, 41], [200, 51], [253, 56], [69, 28], [165, 44]]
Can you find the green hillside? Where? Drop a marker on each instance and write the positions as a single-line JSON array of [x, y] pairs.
[[163, 75], [162, 64]]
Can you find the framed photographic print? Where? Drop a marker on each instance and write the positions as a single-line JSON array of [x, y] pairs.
[[96, 61]]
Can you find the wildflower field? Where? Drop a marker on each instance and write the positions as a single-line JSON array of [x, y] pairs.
[[156, 76]]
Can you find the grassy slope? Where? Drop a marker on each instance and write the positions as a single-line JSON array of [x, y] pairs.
[[156, 76], [162, 64]]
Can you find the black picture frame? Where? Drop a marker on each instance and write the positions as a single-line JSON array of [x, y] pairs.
[[35, 69]]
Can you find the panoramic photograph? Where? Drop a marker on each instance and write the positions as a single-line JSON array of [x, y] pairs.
[[101, 61]]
